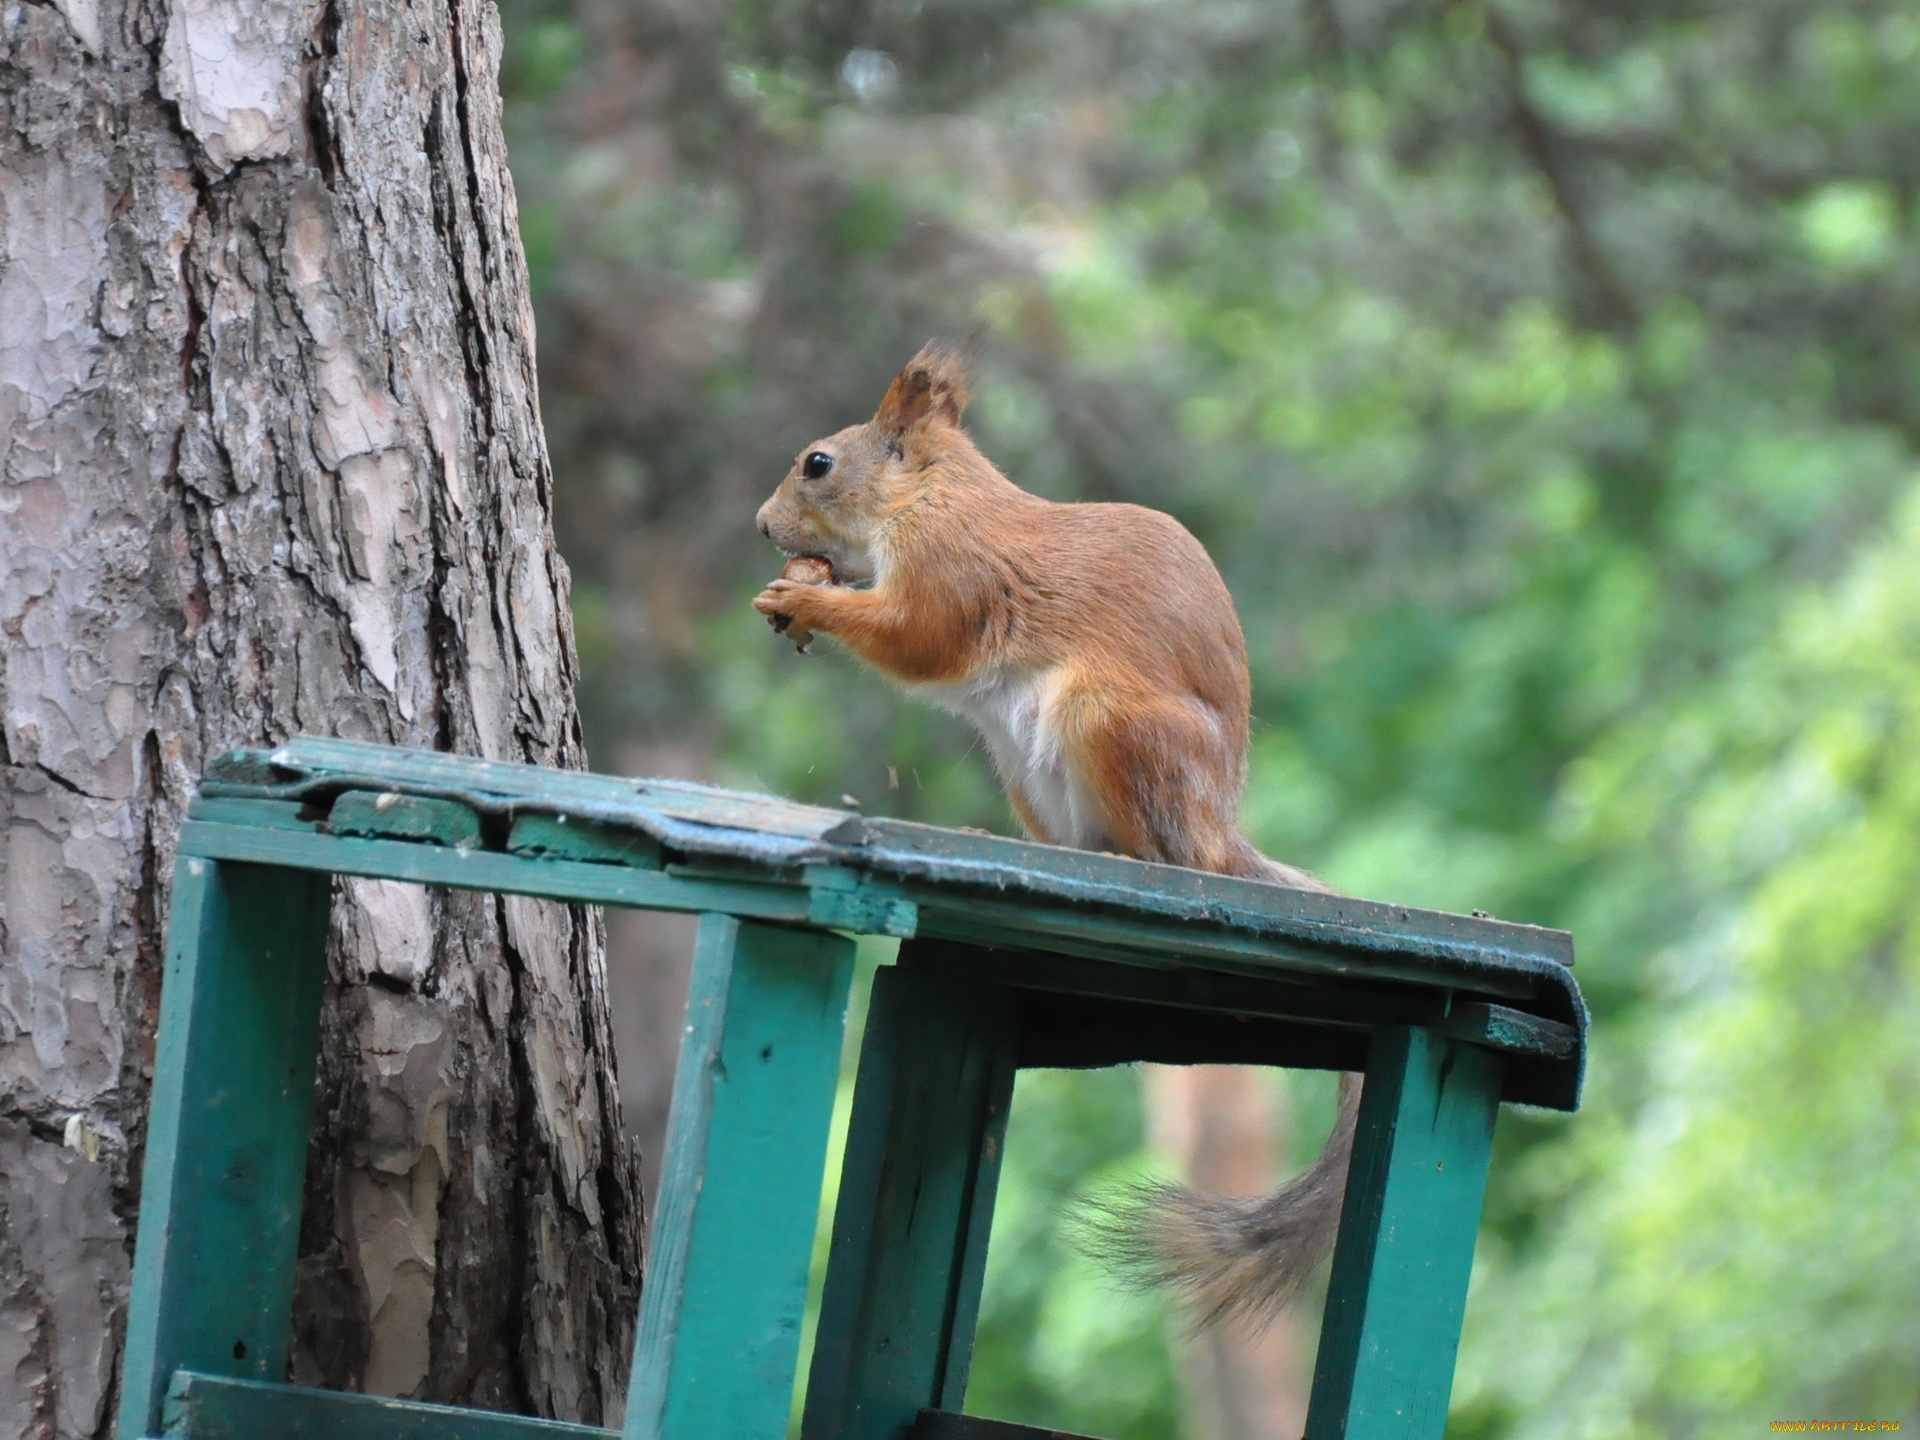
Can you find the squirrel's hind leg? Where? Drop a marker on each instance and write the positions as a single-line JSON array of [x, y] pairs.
[[1158, 769]]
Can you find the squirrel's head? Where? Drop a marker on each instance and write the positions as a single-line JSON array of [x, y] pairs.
[[841, 490]]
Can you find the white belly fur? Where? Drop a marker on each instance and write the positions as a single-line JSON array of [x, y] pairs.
[[1014, 714]]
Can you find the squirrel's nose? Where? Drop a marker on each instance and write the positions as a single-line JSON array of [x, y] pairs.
[[765, 529]]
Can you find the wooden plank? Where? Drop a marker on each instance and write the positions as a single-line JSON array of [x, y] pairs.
[[1499, 1028], [1076, 931], [726, 1281], [946, 1425], [227, 1131], [307, 759], [213, 1407], [1407, 1230], [1280, 994], [909, 850], [846, 899], [1358, 1004], [1081, 1032], [996, 862], [563, 837], [987, 890], [491, 870], [388, 815], [1534, 1079], [916, 1203], [320, 764], [1152, 943], [267, 814], [1157, 939]]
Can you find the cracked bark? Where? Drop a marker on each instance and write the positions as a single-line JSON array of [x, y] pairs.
[[270, 461]]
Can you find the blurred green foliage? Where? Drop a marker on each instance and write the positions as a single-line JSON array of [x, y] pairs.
[[1545, 377], [1056, 1336]]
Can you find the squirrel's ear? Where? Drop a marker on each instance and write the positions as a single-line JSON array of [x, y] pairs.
[[933, 386]]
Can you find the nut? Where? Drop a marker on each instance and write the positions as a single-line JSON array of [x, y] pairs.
[[803, 570], [808, 570]]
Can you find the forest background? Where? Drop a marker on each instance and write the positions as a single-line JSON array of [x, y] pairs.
[[1545, 378]]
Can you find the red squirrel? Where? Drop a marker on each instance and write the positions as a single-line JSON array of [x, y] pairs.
[[1096, 649]]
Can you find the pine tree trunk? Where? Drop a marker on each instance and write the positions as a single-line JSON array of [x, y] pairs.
[[270, 462]]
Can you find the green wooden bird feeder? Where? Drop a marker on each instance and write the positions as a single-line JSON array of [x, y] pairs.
[[1012, 955]]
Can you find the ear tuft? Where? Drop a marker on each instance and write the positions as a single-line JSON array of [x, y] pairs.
[[933, 386]]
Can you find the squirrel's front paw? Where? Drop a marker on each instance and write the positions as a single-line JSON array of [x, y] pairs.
[[779, 601], [788, 606]]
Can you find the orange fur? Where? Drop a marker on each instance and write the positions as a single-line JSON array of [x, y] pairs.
[[1113, 615], [1096, 649]]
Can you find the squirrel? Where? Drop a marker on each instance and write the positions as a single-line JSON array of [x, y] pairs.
[[1096, 649]]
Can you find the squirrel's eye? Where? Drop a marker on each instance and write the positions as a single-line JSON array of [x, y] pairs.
[[816, 465]]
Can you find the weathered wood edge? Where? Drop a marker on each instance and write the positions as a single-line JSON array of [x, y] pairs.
[[1111, 932], [576, 880], [1001, 862], [980, 889], [211, 1407], [1277, 996], [1173, 1015], [826, 896], [782, 831]]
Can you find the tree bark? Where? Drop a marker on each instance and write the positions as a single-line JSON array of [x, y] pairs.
[[270, 462], [650, 968]]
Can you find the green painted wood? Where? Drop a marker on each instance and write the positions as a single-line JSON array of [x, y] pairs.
[[1144, 937], [987, 890], [388, 815], [1552, 1083], [916, 1203], [591, 882], [1154, 943], [1359, 1004], [946, 1425], [314, 765], [842, 898], [266, 814], [1356, 1002], [726, 1280], [996, 863], [1107, 960], [213, 1407], [1171, 946], [912, 851], [562, 837], [1083, 1032], [1407, 1229], [845, 899], [490, 870], [227, 1132], [1500, 1028]]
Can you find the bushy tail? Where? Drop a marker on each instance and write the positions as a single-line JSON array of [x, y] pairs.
[[1228, 1256], [1248, 863]]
